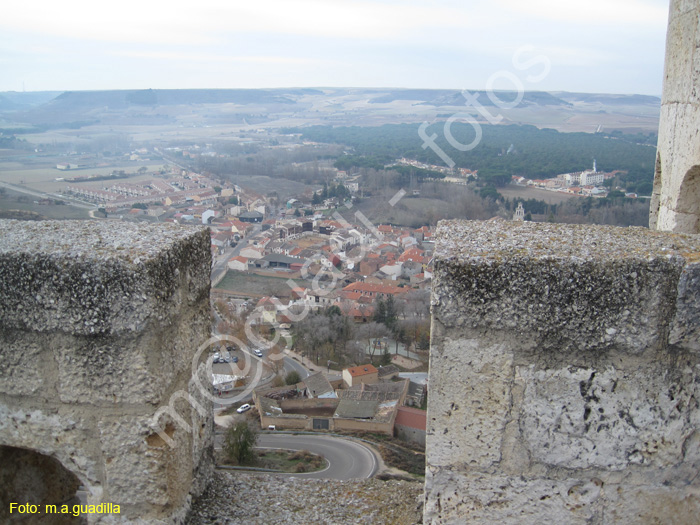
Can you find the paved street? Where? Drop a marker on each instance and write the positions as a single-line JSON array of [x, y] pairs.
[[290, 364], [346, 459], [221, 261]]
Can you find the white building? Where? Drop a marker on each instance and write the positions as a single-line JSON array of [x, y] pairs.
[[519, 214], [591, 178]]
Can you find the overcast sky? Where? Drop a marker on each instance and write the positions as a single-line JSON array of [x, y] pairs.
[[606, 46]]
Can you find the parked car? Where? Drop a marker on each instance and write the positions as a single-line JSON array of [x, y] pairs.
[[258, 352], [217, 357], [235, 359], [243, 408]]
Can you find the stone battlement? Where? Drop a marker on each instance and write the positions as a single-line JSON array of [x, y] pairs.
[[99, 324], [564, 374], [89, 277], [573, 286]]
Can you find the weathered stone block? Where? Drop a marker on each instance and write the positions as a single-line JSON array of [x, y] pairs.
[[28, 360], [119, 309], [486, 499], [563, 361], [608, 418], [99, 324], [575, 287], [658, 504], [62, 433], [473, 412], [685, 328]]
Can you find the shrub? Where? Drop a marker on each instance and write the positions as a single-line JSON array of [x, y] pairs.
[[239, 443], [292, 378]]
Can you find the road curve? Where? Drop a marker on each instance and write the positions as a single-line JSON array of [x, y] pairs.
[[290, 364], [347, 459]]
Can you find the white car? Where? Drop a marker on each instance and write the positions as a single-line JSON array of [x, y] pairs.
[[258, 352], [243, 408]]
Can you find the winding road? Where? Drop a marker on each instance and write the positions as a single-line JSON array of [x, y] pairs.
[[346, 459]]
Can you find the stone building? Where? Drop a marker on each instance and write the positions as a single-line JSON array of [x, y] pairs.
[[519, 214]]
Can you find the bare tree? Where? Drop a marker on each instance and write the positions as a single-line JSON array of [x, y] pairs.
[[312, 333], [371, 334], [417, 303]]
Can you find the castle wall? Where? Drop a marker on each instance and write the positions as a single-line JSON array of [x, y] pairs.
[[98, 328], [675, 204], [564, 375]]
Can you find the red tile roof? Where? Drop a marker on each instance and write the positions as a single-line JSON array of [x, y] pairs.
[[361, 370], [365, 312], [413, 254]]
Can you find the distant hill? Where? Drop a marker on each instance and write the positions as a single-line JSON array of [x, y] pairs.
[[86, 106], [7, 105], [609, 99], [445, 97], [16, 100], [340, 106], [166, 97]]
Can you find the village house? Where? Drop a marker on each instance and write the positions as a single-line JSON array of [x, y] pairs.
[[252, 252], [238, 263], [364, 407], [360, 374], [374, 291]]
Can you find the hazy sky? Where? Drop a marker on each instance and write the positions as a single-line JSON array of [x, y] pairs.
[[609, 46]]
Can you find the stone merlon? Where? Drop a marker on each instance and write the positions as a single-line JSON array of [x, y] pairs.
[[675, 199], [90, 277], [102, 326], [578, 286], [564, 375]]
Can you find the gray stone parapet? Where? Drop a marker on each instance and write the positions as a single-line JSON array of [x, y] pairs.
[[564, 374], [90, 277], [100, 327], [571, 286]]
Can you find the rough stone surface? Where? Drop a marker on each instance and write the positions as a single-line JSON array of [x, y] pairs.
[[675, 204], [241, 498], [99, 323], [564, 374], [88, 277]]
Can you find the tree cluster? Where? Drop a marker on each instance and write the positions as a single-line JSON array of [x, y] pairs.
[[332, 335], [502, 151], [329, 191]]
